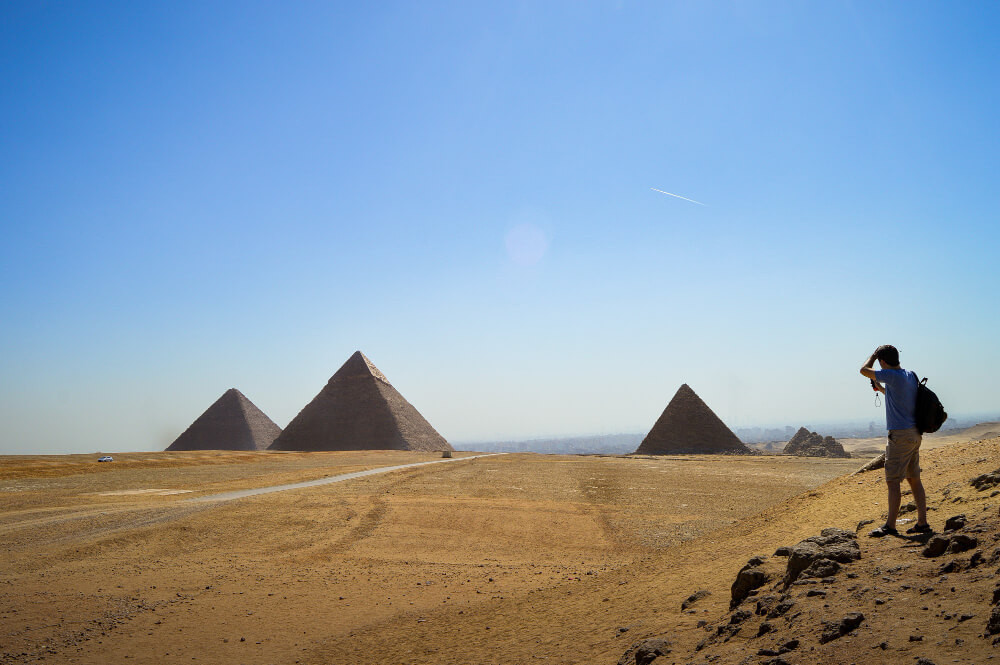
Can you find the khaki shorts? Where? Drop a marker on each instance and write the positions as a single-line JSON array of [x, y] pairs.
[[902, 454]]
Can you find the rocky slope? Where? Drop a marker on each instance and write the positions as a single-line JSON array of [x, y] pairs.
[[842, 597]]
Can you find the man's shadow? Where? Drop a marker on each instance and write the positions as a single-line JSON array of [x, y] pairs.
[[919, 538]]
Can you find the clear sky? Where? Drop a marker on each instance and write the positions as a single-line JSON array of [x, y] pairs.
[[197, 196]]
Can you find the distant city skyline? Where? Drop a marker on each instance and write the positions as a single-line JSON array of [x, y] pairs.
[[200, 197]]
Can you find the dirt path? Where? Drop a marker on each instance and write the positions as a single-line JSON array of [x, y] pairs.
[[241, 494]]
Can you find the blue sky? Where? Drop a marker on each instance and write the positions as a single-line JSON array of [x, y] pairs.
[[198, 196]]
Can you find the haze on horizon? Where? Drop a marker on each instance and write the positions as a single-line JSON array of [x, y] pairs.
[[204, 196]]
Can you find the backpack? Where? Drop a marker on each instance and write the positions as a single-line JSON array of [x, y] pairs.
[[929, 412]]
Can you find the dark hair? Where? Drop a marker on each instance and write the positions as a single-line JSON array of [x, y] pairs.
[[888, 354]]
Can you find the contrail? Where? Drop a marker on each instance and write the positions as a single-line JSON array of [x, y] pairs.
[[677, 195]]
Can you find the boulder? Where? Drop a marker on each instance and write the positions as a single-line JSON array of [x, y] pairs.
[[954, 523], [782, 608], [993, 625], [961, 542], [835, 545], [752, 576], [872, 465], [986, 481], [949, 544], [821, 568], [936, 546], [645, 652], [835, 629], [694, 598]]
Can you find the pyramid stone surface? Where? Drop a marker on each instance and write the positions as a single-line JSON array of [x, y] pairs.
[[688, 426], [358, 409], [232, 423], [810, 444]]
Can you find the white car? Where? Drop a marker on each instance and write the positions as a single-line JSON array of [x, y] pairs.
[[106, 458]]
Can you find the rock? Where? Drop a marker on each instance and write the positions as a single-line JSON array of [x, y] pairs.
[[645, 652], [936, 546], [784, 550], [781, 608], [739, 617], [960, 543], [986, 481], [764, 629], [750, 577], [727, 630], [955, 523], [872, 465], [694, 598], [836, 629], [953, 566], [802, 555], [993, 625], [765, 603], [790, 645], [924, 661], [821, 568], [810, 444], [836, 545]]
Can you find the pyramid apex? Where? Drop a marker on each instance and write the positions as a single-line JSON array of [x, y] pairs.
[[359, 365]]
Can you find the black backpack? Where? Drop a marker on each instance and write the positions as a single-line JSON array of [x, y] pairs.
[[929, 413]]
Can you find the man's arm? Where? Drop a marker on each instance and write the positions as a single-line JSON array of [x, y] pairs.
[[867, 370]]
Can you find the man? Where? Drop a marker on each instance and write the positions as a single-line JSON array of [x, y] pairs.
[[902, 451]]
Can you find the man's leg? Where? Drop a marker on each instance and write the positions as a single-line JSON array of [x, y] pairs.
[[895, 496], [919, 497]]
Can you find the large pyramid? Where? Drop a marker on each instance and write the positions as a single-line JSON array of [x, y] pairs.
[[358, 409], [687, 425], [232, 423]]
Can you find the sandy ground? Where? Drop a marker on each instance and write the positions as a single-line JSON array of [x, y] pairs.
[[876, 445], [510, 559]]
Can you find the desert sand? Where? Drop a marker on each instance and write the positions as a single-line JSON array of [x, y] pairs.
[[506, 559]]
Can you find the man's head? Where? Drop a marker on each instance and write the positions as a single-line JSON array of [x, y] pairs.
[[887, 355]]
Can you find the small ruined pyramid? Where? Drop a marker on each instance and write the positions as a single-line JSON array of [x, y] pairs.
[[811, 444], [358, 409], [688, 426], [232, 423]]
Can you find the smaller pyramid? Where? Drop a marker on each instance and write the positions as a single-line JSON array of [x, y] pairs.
[[358, 409], [232, 423], [810, 444], [688, 426]]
